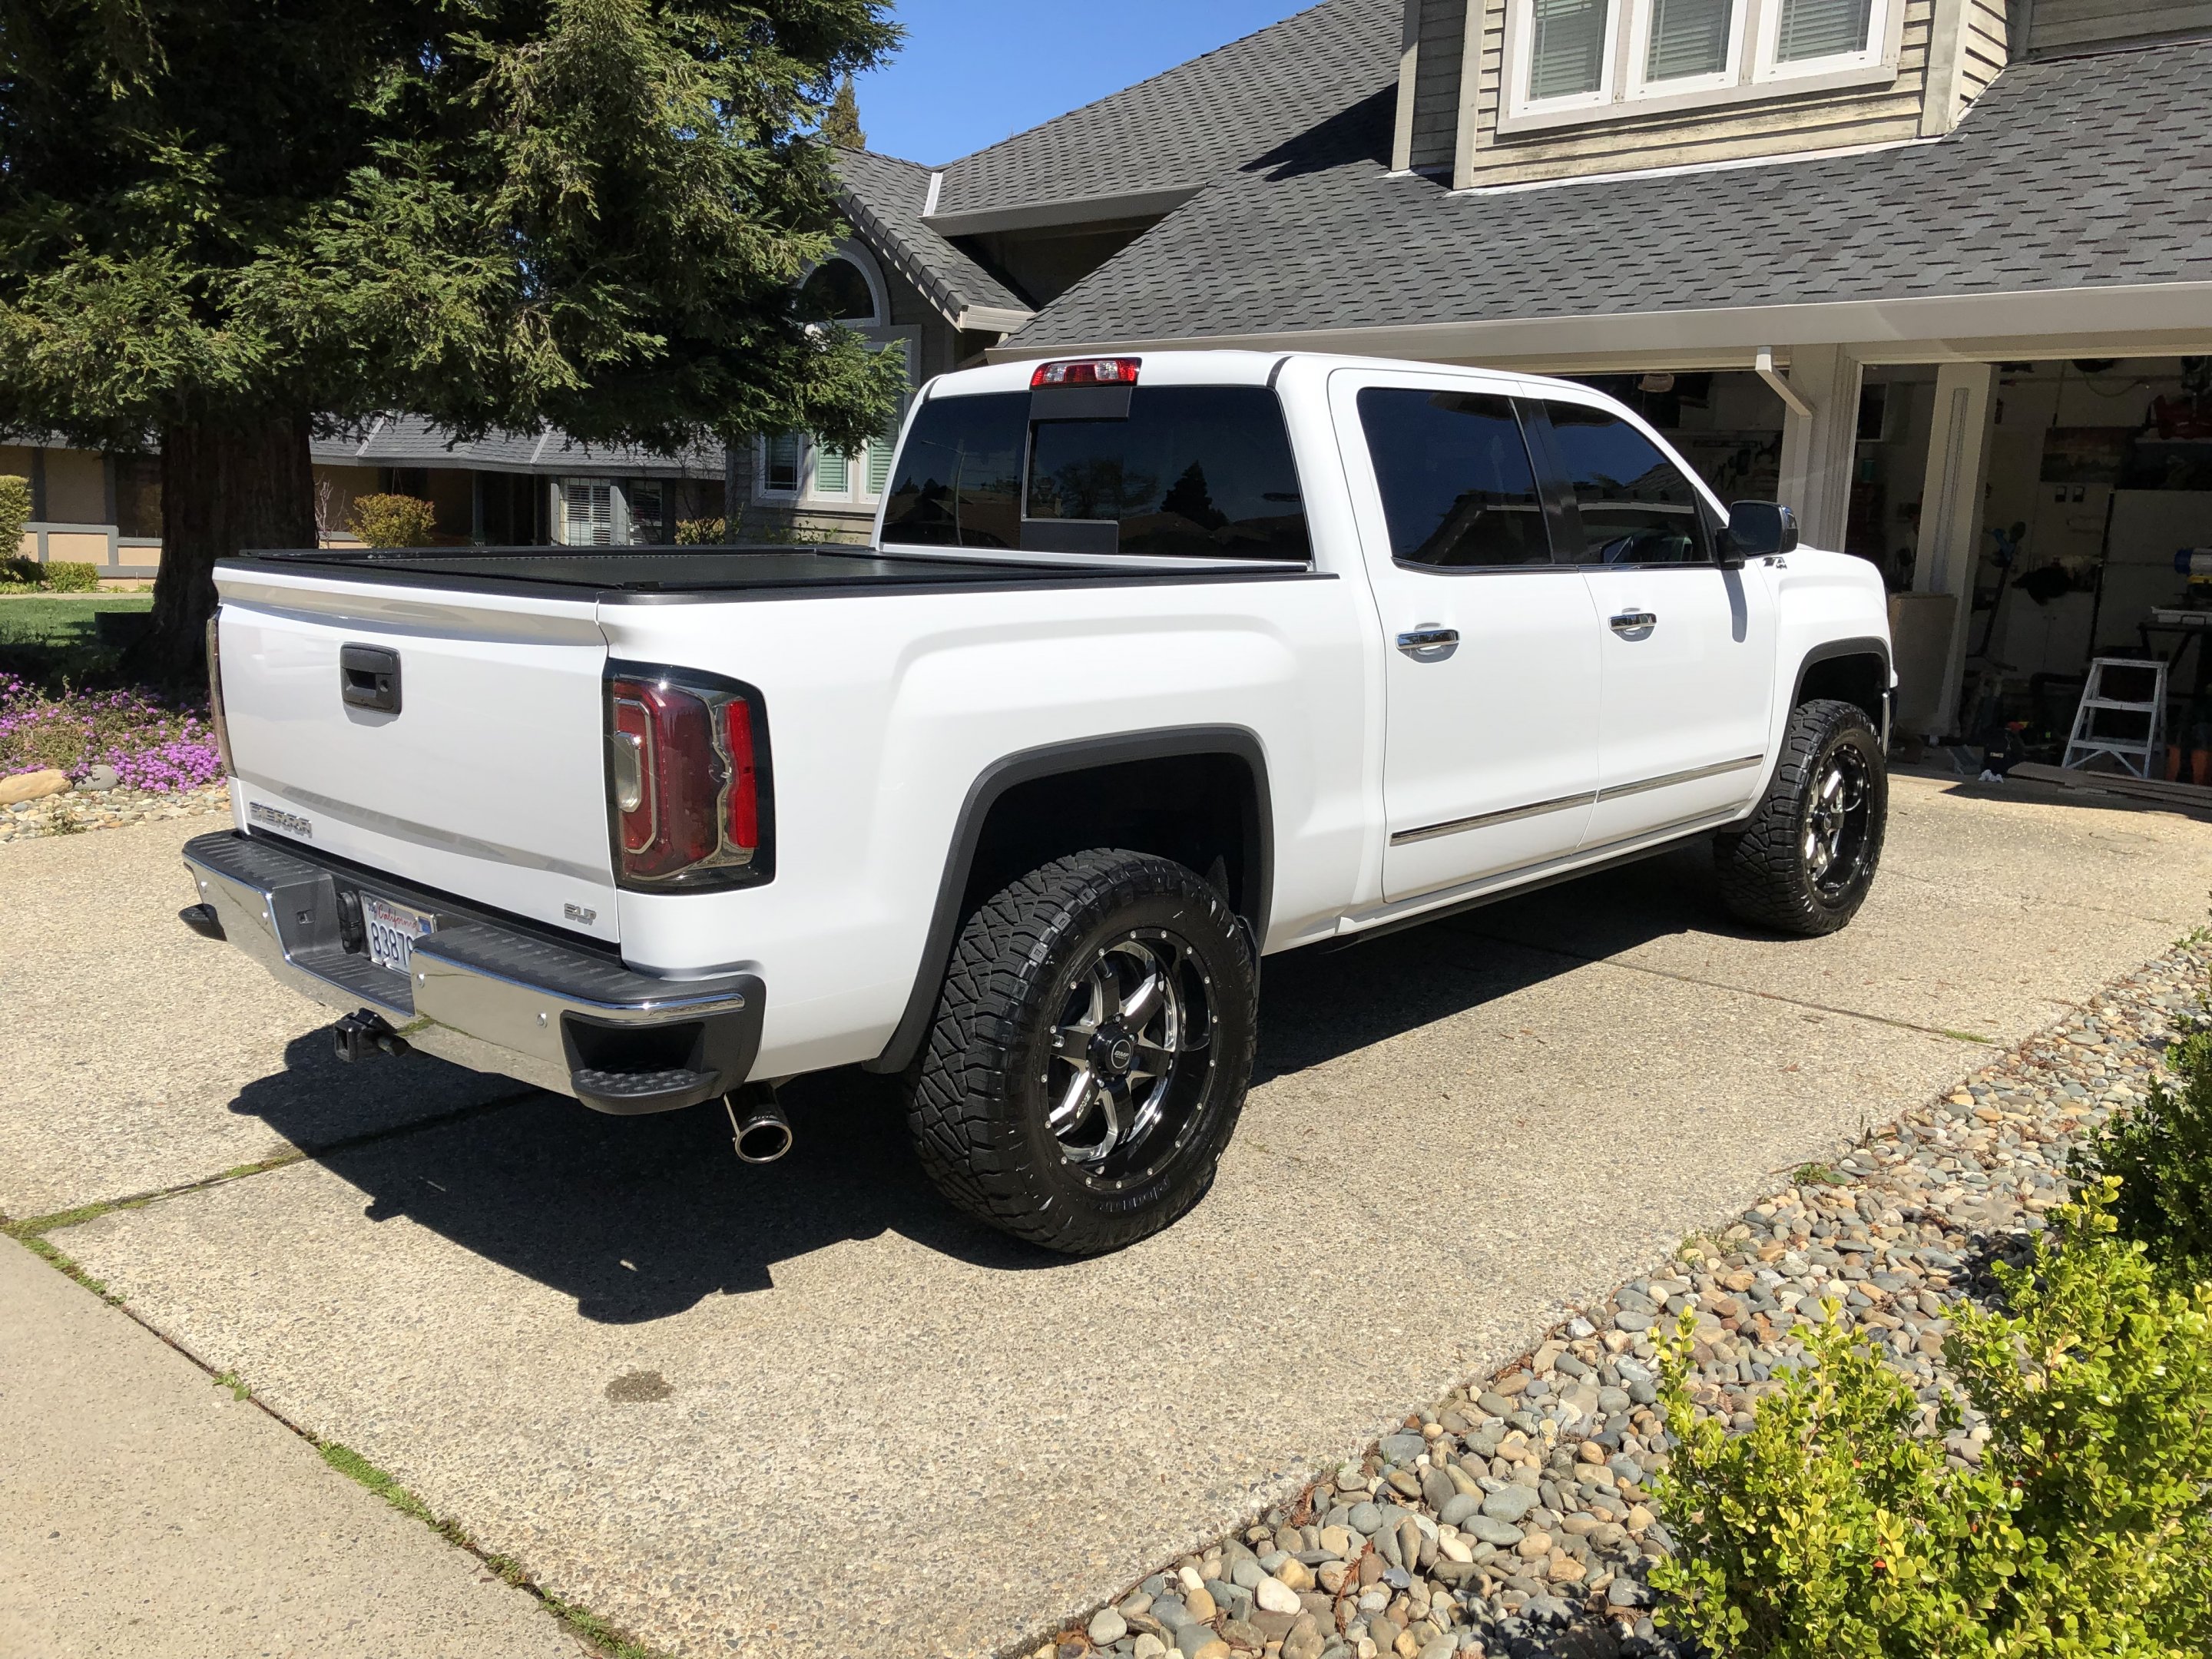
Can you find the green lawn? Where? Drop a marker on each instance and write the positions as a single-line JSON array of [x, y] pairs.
[[60, 619]]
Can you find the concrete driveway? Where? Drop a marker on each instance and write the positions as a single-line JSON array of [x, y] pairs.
[[805, 1410]]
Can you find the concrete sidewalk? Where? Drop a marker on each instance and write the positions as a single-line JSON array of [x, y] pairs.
[[144, 1510], [805, 1410]]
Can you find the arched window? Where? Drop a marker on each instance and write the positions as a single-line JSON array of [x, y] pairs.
[[839, 291]]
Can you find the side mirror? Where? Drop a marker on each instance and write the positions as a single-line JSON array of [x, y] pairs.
[[1756, 529]]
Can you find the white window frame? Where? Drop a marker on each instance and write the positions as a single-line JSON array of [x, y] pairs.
[[1766, 71], [1645, 92], [1519, 108], [1753, 73]]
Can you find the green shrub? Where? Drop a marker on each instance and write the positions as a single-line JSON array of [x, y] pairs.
[[1831, 1526], [64, 576], [1836, 1528], [392, 520], [2097, 1386], [699, 533], [18, 574], [2161, 1155], [14, 513]]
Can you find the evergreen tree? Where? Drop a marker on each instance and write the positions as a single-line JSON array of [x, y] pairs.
[[223, 222], [842, 126]]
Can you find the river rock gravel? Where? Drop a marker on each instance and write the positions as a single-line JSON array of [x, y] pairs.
[[1517, 1517], [76, 810]]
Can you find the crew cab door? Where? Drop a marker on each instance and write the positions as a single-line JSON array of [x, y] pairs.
[[1491, 682], [1687, 649]]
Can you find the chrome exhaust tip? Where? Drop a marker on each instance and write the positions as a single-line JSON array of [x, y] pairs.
[[758, 1128]]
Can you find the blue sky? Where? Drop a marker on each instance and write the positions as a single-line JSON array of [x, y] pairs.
[[973, 71]]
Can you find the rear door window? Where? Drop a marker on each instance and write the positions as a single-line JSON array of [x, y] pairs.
[[1637, 507], [1188, 472], [1458, 490]]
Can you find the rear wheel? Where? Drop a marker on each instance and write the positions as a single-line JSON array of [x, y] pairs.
[[1804, 860], [1090, 1052]]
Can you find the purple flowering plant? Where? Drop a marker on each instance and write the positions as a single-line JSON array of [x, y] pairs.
[[153, 742]]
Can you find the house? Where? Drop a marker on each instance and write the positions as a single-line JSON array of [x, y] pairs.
[[1937, 273]]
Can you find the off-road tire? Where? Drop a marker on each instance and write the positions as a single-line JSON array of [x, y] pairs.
[[1765, 877], [976, 1104]]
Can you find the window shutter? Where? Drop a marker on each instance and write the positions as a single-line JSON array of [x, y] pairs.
[[832, 473], [1688, 37], [1567, 47], [1821, 28]]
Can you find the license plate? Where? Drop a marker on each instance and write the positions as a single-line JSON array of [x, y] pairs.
[[393, 930]]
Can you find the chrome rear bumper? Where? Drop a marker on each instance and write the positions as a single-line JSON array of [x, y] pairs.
[[485, 993]]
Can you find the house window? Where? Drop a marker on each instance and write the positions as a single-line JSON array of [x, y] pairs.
[[791, 467], [587, 512], [1579, 60], [646, 500]]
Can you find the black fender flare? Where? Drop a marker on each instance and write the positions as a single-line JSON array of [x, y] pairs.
[[1865, 645], [1079, 754]]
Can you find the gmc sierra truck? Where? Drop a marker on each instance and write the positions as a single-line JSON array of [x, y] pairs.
[[1157, 665]]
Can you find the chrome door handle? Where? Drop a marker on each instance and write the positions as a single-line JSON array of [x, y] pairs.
[[1419, 641], [1634, 621]]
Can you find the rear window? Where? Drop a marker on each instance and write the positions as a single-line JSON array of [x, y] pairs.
[[1190, 472]]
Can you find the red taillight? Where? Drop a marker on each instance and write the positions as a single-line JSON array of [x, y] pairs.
[[682, 779], [1087, 371], [741, 806]]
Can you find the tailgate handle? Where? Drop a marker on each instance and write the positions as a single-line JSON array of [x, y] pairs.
[[369, 677]]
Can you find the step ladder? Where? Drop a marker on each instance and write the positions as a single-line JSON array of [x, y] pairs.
[[2139, 757]]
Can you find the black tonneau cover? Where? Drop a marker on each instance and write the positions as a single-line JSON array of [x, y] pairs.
[[649, 575]]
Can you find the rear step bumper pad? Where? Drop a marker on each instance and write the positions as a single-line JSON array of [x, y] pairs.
[[485, 994]]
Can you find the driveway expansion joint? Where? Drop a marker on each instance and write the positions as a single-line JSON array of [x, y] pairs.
[[1739, 990]]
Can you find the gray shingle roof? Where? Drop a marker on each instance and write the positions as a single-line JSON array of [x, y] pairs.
[[1182, 129], [2085, 171], [884, 198], [411, 440]]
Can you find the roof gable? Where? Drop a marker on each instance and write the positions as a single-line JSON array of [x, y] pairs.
[[1153, 144]]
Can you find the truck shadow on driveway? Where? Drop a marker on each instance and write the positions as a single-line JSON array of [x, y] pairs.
[[641, 1219]]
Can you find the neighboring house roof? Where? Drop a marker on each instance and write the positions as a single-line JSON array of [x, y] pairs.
[[412, 441], [1150, 146], [884, 197], [2066, 178]]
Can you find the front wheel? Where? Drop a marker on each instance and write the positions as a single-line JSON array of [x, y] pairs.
[[1090, 1052], [1803, 862]]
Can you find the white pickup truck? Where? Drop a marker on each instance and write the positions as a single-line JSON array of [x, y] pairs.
[[1158, 665]]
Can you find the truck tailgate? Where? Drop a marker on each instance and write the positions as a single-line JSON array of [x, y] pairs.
[[488, 781]]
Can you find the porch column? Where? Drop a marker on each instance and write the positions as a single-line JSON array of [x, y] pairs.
[[1816, 448], [1951, 512]]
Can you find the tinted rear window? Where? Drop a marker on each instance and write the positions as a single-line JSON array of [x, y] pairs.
[[959, 481], [1192, 473]]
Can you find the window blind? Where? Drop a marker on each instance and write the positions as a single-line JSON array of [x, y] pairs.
[[1821, 28], [832, 473], [1688, 37], [880, 451], [1567, 47], [589, 510]]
